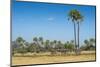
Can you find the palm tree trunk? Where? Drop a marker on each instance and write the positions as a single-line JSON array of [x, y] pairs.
[[78, 37], [75, 37]]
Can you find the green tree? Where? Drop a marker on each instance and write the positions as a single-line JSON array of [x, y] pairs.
[[54, 43], [32, 48], [36, 43], [76, 18], [89, 44], [92, 41], [47, 45], [40, 39], [86, 42], [21, 42], [41, 42], [60, 45], [35, 39], [69, 45]]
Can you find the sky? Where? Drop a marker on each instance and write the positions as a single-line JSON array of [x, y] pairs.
[[50, 21]]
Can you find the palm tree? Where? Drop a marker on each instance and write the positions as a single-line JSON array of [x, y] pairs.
[[41, 41], [35, 39], [76, 18], [79, 19], [57, 46], [92, 43], [60, 45], [72, 41], [67, 42], [86, 42], [55, 42], [47, 46], [36, 43], [19, 40], [52, 44], [31, 48], [92, 40], [21, 43], [71, 45]]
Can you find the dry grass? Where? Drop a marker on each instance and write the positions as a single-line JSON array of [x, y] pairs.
[[44, 59]]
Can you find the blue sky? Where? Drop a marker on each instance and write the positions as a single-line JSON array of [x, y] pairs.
[[50, 21]]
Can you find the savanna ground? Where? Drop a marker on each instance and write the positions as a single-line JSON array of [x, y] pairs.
[[44, 58]]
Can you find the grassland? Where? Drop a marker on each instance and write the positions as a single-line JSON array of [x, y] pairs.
[[46, 58]]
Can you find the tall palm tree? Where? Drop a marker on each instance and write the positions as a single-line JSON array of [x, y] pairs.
[[76, 18], [79, 19], [71, 16]]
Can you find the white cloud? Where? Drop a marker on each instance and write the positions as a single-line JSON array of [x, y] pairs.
[[50, 18]]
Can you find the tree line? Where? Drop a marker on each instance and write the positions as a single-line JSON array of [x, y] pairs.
[[40, 45]]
